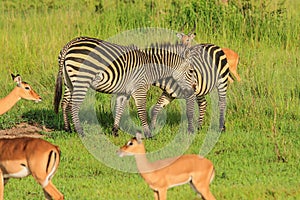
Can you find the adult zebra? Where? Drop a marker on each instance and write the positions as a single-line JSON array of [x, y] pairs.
[[212, 70], [123, 70]]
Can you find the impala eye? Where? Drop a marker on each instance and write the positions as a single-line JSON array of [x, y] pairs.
[[27, 88], [129, 143]]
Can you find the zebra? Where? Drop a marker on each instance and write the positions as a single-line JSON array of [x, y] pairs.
[[87, 62], [231, 56], [212, 70]]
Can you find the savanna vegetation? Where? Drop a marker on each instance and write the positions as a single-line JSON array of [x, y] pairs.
[[258, 155]]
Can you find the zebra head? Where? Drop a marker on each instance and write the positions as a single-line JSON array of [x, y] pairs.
[[185, 74]]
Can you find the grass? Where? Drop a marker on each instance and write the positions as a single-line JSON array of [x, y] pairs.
[[257, 157]]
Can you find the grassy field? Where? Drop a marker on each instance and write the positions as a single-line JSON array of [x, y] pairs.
[[258, 155]]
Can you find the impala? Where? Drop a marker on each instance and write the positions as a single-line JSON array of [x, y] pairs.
[[233, 60], [164, 174], [22, 91], [232, 56], [20, 157]]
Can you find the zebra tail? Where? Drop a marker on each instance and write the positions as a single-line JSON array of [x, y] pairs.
[[58, 87]]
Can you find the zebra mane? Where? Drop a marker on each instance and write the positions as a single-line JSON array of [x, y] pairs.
[[177, 48]]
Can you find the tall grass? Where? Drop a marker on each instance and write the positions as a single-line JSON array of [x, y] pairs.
[[257, 157]]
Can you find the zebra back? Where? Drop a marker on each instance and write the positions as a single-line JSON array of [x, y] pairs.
[[176, 74], [211, 67]]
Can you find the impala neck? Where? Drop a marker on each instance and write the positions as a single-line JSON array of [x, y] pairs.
[[9, 101], [143, 164]]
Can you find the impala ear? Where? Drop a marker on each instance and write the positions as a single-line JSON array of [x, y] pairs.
[[17, 79], [192, 35], [139, 137]]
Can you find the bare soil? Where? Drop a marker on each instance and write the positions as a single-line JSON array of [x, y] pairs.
[[24, 130]]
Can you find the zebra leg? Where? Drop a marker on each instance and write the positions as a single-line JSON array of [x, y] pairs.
[[222, 108], [139, 97], [77, 97], [119, 109], [65, 105], [75, 106], [190, 104], [202, 108], [222, 89], [163, 100]]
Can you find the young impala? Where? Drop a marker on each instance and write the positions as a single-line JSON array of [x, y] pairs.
[[22, 91], [164, 174], [232, 56], [20, 157]]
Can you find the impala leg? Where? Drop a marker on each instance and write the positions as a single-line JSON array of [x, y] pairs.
[[202, 189], [43, 176], [162, 194], [121, 102], [163, 100], [156, 197], [206, 194], [202, 109], [139, 97], [1, 185], [51, 192]]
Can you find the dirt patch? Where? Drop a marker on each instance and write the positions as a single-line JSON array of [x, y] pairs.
[[24, 130]]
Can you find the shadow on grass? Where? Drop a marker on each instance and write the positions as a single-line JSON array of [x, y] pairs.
[[51, 120]]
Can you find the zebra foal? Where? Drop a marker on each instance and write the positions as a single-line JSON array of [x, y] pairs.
[[212, 70], [86, 62]]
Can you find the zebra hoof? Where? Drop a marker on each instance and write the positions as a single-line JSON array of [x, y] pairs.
[[67, 129], [115, 131], [80, 132], [191, 131], [148, 135], [223, 129]]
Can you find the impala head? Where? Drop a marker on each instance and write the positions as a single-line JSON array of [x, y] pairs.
[[24, 89], [187, 39], [132, 147]]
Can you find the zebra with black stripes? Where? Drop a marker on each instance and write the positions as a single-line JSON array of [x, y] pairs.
[[127, 71], [212, 70]]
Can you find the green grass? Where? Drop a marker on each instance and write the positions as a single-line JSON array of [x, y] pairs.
[[257, 157]]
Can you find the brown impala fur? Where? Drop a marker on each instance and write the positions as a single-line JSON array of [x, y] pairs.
[[232, 57], [22, 90], [164, 174], [20, 157], [233, 61]]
